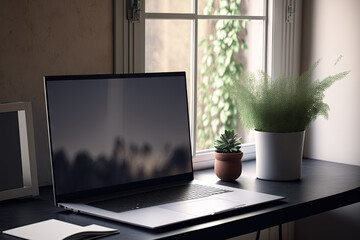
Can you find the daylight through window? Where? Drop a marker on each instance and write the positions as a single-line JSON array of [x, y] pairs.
[[213, 41]]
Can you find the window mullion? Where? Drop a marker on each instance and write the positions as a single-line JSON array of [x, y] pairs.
[[194, 83], [266, 35], [170, 15], [196, 16], [230, 17]]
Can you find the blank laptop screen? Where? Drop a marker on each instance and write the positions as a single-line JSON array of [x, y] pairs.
[[108, 130]]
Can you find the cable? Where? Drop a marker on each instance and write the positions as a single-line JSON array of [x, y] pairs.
[[258, 235], [280, 232]]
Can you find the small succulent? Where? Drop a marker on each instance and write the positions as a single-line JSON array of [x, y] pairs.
[[229, 142]]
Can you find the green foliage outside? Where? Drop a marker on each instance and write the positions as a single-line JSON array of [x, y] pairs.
[[220, 69], [228, 142], [281, 104]]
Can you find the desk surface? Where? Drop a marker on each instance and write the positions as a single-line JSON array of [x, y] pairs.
[[324, 186]]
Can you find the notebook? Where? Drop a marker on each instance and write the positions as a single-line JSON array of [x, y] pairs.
[[58, 230], [119, 141]]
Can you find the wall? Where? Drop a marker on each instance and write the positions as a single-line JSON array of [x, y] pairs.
[[50, 37], [330, 29]]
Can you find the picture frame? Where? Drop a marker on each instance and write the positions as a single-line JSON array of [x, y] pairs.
[[18, 160]]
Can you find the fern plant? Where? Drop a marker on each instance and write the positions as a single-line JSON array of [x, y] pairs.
[[229, 142], [281, 104]]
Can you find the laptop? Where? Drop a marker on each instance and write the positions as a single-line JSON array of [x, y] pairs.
[[120, 149]]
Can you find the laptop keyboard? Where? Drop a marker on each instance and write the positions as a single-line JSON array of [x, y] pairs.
[[157, 197]]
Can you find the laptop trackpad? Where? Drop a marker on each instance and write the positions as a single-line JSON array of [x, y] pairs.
[[204, 206]]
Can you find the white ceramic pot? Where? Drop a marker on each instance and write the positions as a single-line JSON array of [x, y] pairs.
[[279, 155]]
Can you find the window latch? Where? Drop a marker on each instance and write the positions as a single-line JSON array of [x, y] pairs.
[[133, 10], [290, 12]]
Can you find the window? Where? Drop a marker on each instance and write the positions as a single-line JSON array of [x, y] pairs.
[[213, 41]]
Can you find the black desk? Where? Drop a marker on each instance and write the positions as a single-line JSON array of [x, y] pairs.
[[324, 186]]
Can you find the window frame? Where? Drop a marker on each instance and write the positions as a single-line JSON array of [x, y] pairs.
[[281, 51]]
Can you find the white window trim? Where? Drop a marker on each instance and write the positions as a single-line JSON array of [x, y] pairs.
[[205, 159], [282, 52]]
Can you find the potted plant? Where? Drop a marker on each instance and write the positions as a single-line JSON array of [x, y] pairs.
[[228, 156], [280, 110]]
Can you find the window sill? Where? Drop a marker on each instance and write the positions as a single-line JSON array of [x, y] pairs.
[[205, 159]]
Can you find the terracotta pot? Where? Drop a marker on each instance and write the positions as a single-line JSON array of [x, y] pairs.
[[228, 166]]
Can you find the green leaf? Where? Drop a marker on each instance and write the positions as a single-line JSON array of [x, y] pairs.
[[223, 116], [214, 110]]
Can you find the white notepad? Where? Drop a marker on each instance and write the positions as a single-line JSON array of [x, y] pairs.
[[59, 230]]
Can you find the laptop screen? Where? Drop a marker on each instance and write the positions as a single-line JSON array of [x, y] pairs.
[[113, 130]]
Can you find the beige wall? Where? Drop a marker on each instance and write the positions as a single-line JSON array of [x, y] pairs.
[[50, 37], [330, 29]]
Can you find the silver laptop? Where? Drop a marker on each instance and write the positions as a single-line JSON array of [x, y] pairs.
[[120, 149]]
